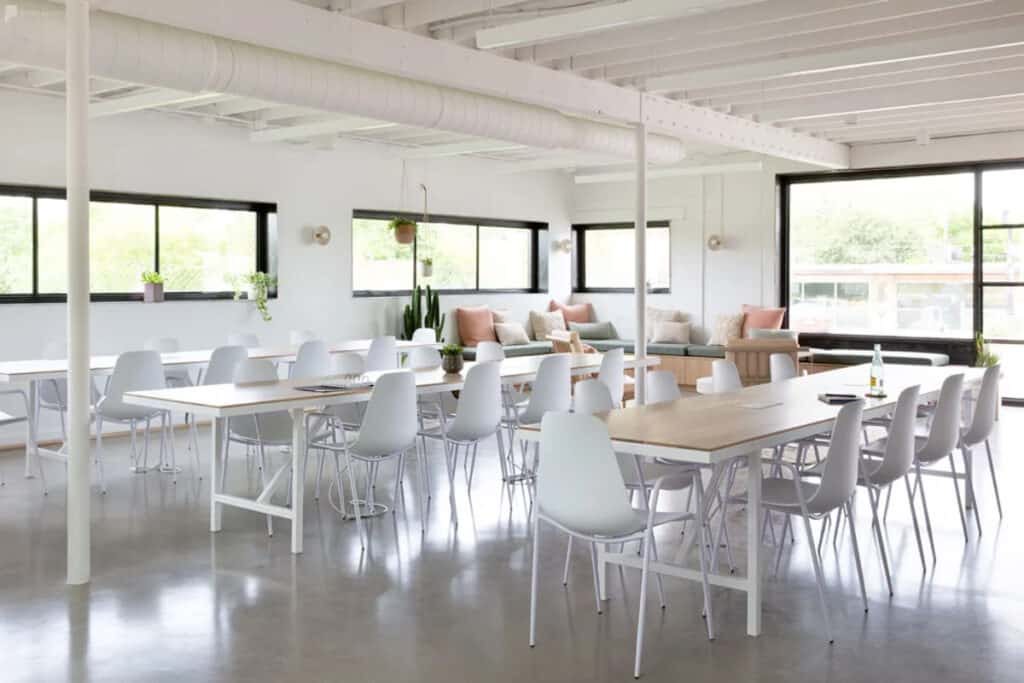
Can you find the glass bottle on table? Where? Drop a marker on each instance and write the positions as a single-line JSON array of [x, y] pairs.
[[877, 382]]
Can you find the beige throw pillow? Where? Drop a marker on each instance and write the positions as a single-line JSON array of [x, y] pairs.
[[500, 315], [543, 323], [510, 334], [727, 327], [659, 315], [671, 333]]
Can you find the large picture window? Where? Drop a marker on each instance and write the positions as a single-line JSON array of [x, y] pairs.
[[449, 253], [198, 245], [604, 257]]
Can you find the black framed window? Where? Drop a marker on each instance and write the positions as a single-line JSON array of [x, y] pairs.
[[603, 257], [198, 245], [453, 254], [1002, 253]]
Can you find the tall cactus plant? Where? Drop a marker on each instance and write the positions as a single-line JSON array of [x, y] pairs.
[[413, 316], [434, 318]]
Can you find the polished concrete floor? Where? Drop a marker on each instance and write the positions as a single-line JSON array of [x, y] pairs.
[[170, 601]]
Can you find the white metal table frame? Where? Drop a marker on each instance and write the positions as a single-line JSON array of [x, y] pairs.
[[34, 372], [298, 404], [751, 449]]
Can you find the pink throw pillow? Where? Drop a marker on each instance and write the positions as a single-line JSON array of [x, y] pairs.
[[573, 313], [758, 318], [476, 324]]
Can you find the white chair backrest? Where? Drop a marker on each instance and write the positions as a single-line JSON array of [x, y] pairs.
[[133, 371], [725, 377], [223, 361], [661, 387], [984, 419], [298, 337], [271, 428], [780, 366], [944, 434], [899, 445], [54, 392], [551, 390], [349, 364], [249, 341], [612, 373], [424, 357], [390, 422], [487, 351], [579, 484], [424, 335], [163, 344], [383, 354], [479, 409], [592, 396], [311, 360], [839, 477]]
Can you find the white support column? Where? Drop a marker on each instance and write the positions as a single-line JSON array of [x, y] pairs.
[[640, 236], [79, 456]]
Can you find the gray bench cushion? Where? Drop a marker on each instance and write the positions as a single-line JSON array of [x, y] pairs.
[[667, 349], [534, 348], [609, 344], [858, 356], [706, 351]]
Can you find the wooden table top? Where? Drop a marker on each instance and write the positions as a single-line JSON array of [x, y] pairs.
[[710, 428], [225, 400], [26, 370]]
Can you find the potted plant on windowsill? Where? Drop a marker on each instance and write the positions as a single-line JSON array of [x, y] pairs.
[[427, 266], [404, 230], [152, 287], [451, 358], [257, 287]]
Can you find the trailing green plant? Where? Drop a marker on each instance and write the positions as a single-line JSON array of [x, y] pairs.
[[152, 277], [451, 350], [427, 261], [983, 356], [396, 222], [415, 315], [260, 285]]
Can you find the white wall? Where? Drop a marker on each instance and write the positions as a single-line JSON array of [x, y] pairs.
[[967, 148], [159, 153]]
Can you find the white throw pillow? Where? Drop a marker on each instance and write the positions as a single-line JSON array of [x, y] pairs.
[[660, 315], [543, 323], [727, 327], [511, 333], [671, 333]]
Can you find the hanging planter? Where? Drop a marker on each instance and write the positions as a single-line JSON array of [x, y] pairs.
[[427, 267], [404, 230], [152, 287]]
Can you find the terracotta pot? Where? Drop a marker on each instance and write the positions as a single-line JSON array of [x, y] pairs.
[[153, 292], [452, 364], [405, 233]]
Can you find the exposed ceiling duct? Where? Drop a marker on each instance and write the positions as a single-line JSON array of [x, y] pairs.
[[136, 51]]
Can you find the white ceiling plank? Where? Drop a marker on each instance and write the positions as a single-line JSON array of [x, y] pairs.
[[145, 100], [959, 41], [334, 37], [5, 68], [423, 12], [32, 77], [981, 125], [802, 33], [708, 169], [460, 148], [584, 21], [830, 124], [927, 123], [1009, 83], [312, 130]]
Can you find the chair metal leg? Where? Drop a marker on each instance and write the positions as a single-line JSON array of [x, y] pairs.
[[856, 554], [644, 573], [919, 486], [913, 516], [971, 500], [533, 580], [355, 499], [99, 455], [263, 484], [593, 568], [424, 488], [705, 538], [818, 576], [873, 499], [995, 484], [568, 559], [959, 500], [657, 576]]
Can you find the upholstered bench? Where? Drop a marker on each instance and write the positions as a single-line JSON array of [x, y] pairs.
[[858, 356]]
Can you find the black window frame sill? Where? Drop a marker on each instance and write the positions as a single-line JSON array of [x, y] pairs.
[[108, 297], [620, 290], [382, 294]]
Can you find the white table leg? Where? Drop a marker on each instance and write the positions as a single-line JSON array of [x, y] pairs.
[[754, 544], [298, 475], [31, 434], [217, 432]]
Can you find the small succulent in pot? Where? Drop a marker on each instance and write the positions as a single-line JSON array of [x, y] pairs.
[[451, 358], [427, 266], [404, 229], [152, 287]]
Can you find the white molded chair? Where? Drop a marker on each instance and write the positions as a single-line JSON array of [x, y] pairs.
[[299, 337], [424, 335], [133, 371], [53, 393], [488, 351], [349, 364], [725, 378], [382, 355], [312, 360], [978, 433], [249, 341], [781, 367], [8, 419], [176, 377], [551, 393], [613, 374], [580, 491], [220, 370], [662, 387]]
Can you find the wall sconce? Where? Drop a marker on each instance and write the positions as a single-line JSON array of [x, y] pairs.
[[563, 245], [322, 235], [715, 242]]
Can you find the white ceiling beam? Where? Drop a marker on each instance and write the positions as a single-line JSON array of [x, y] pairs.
[[904, 50], [333, 37], [146, 100], [583, 22], [32, 77], [828, 124], [565, 160], [306, 131], [422, 12], [460, 148], [892, 21], [630, 176], [986, 125]]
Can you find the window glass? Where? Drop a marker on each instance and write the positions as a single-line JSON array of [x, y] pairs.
[[609, 258], [505, 258], [1003, 197], [452, 248], [1004, 312], [1003, 255], [201, 249], [15, 245], [379, 263]]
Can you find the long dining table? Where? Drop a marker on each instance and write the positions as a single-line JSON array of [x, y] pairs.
[[222, 401], [34, 372], [713, 429]]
